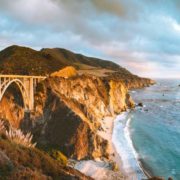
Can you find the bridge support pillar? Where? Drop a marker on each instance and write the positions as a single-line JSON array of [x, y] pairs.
[[31, 94]]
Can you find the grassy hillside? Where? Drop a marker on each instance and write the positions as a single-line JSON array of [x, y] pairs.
[[19, 162], [68, 58], [22, 60]]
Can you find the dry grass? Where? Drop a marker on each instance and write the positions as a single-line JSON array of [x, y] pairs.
[[99, 72], [17, 136]]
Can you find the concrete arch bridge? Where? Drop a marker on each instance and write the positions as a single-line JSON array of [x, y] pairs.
[[26, 85]]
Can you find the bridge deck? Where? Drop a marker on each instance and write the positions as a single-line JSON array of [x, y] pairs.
[[21, 76]]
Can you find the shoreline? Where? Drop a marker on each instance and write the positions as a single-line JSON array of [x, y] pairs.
[[98, 169], [134, 168], [114, 155], [145, 171], [118, 159], [129, 173]]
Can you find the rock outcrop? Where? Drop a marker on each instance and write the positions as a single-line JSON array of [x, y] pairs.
[[66, 72], [68, 114]]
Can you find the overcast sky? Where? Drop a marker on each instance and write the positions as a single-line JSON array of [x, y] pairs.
[[141, 35]]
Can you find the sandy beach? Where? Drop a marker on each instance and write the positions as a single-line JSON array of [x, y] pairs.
[[101, 170]]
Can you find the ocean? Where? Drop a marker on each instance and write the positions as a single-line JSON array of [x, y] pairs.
[[148, 138]]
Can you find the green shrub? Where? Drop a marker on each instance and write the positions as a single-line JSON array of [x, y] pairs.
[[59, 156]]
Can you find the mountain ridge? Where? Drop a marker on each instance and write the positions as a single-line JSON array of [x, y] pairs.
[[48, 60]]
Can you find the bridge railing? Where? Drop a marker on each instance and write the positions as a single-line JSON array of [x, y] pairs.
[[22, 76]]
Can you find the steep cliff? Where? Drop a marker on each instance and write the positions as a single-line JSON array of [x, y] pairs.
[[69, 112]]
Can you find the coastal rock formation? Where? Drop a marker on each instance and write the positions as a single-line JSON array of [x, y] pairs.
[[68, 113], [120, 100], [69, 109], [66, 72]]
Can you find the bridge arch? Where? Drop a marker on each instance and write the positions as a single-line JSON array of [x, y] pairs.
[[26, 84], [21, 87]]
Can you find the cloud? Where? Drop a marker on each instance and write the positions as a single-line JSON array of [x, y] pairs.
[[133, 33], [112, 7]]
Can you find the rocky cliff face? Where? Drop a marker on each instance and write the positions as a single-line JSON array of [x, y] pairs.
[[68, 114], [68, 111], [139, 83]]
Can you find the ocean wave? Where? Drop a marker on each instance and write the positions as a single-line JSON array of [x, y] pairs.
[[124, 146]]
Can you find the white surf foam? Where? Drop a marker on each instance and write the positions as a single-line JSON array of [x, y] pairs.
[[122, 141]]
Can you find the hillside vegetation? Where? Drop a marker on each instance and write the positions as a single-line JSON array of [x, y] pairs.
[[19, 160], [23, 60]]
